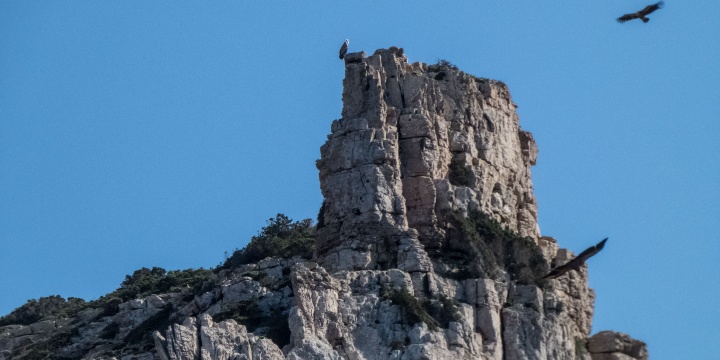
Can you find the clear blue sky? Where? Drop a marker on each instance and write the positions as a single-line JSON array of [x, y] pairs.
[[158, 133]]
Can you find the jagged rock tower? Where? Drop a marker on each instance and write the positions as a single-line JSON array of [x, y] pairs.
[[415, 142], [427, 248], [416, 146]]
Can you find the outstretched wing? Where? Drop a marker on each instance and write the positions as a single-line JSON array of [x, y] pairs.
[[558, 271], [577, 262], [628, 17], [589, 252], [650, 8]]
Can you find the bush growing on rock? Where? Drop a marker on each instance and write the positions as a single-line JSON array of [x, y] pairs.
[[144, 282], [35, 310], [435, 313], [412, 308], [281, 238], [482, 247]]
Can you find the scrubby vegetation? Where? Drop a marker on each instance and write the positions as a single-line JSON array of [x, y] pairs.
[[35, 310], [435, 313], [581, 351], [47, 349], [442, 68], [411, 306], [483, 248], [442, 65], [443, 310], [281, 237], [321, 217], [459, 174], [157, 280]]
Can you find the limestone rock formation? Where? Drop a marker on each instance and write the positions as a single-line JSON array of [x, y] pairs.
[[204, 339], [414, 143], [610, 345], [427, 247]]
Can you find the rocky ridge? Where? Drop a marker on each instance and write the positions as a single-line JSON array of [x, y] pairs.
[[427, 247]]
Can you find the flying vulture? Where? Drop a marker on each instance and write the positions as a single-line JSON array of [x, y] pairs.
[[343, 49], [642, 13], [575, 263]]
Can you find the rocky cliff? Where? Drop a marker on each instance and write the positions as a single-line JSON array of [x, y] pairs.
[[427, 247]]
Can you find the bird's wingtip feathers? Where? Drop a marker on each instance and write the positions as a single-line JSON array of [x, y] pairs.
[[602, 243]]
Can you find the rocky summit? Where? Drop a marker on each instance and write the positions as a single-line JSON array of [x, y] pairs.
[[427, 246]]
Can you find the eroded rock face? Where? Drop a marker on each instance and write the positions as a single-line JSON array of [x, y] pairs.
[[349, 315], [607, 345], [203, 339], [414, 142]]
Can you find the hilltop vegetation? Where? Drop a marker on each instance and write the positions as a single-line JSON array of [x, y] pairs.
[[282, 237]]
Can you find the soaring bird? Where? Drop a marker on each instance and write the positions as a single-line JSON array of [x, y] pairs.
[[642, 13], [575, 263], [343, 49]]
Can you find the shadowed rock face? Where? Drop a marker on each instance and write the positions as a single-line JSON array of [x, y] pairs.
[[414, 142]]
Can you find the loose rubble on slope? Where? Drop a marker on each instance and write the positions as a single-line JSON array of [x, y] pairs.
[[427, 247]]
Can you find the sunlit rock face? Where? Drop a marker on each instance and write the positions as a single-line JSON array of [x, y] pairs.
[[414, 142]]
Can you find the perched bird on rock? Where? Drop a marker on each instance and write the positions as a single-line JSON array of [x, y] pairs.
[[642, 13], [575, 263], [344, 48]]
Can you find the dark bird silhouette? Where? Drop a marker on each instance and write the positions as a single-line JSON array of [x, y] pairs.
[[575, 263], [641, 14], [343, 49]]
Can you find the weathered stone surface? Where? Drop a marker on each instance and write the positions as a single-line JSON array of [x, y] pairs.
[[611, 356], [206, 340], [614, 345], [347, 315], [390, 162], [43, 327], [15, 331]]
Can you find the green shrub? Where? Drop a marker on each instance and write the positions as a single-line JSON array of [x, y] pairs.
[[459, 174], [73, 306], [321, 217], [35, 310], [146, 281], [281, 237], [581, 348], [482, 247], [465, 247], [444, 310], [435, 313], [412, 308], [442, 65], [46, 349]]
